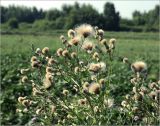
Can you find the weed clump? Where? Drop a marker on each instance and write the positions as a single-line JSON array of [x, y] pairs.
[[73, 85]]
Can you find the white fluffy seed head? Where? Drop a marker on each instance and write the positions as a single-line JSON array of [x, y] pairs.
[[85, 30], [139, 66]]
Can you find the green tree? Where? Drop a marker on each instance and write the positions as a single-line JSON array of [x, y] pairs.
[[138, 18], [53, 14], [82, 14], [111, 17]]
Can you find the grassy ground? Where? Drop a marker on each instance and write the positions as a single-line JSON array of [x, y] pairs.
[[128, 43], [135, 46], [15, 49]]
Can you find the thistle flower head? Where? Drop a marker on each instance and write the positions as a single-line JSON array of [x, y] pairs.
[[152, 85], [45, 50], [51, 61], [20, 99], [73, 55], [95, 55], [48, 80], [96, 109], [134, 89], [124, 103], [85, 86], [75, 41], [112, 41], [82, 101], [26, 102], [139, 66], [137, 97], [18, 110], [103, 41], [71, 33], [153, 94], [25, 110], [93, 67], [24, 79], [62, 37], [33, 59], [134, 81], [102, 81], [53, 108], [47, 83], [94, 88], [65, 53], [88, 46], [76, 69], [38, 51], [135, 109], [59, 51], [94, 77], [35, 91], [49, 70], [136, 118], [102, 66], [70, 117], [109, 102], [96, 67], [96, 27], [144, 89], [65, 92], [23, 71], [125, 60], [84, 30], [47, 58], [127, 96], [35, 64], [38, 111], [100, 32]]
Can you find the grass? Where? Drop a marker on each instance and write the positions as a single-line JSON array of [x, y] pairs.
[[135, 46], [142, 46], [128, 43], [16, 48]]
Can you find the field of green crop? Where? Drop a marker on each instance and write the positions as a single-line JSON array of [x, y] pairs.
[[16, 53]]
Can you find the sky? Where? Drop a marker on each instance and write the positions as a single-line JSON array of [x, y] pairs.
[[125, 7]]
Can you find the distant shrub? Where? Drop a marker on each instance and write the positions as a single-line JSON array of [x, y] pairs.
[[13, 23], [42, 25], [25, 25]]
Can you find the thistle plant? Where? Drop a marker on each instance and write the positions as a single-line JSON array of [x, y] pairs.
[[142, 104], [72, 85]]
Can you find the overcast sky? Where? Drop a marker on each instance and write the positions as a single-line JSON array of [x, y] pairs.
[[123, 6]]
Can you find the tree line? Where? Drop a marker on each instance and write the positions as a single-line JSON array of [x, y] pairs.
[[71, 15]]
